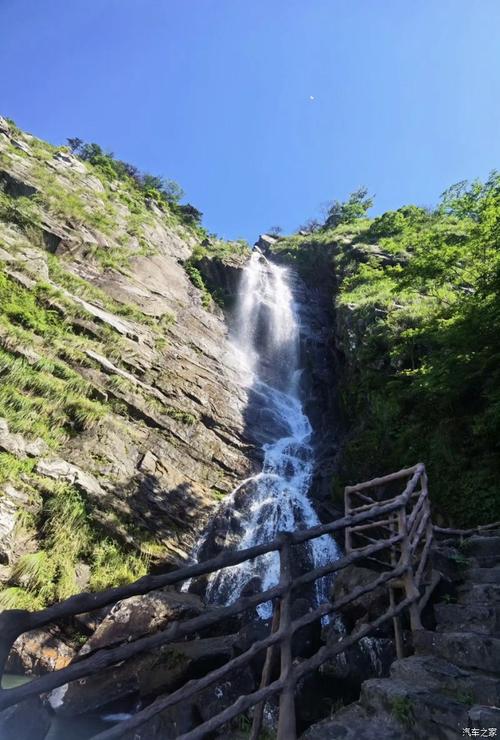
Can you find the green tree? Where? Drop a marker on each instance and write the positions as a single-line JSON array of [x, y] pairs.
[[356, 206]]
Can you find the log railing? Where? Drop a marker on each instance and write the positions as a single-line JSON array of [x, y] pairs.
[[390, 532]]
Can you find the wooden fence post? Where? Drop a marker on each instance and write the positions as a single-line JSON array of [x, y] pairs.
[[266, 675], [396, 621], [408, 578], [286, 725]]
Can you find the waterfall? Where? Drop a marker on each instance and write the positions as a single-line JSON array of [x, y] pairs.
[[266, 342]]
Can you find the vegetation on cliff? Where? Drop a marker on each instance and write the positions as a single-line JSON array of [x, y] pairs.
[[417, 302], [96, 374]]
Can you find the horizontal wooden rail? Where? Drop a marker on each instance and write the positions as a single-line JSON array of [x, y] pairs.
[[467, 532], [376, 482]]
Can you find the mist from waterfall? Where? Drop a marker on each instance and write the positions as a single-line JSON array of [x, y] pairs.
[[266, 341]]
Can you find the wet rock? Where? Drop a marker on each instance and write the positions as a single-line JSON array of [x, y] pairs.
[[222, 275], [221, 695], [369, 658], [28, 720], [185, 716], [308, 639]]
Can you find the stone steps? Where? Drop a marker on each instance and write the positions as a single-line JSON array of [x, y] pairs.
[[464, 649], [485, 549], [423, 712], [480, 618], [438, 674], [356, 722], [453, 680], [484, 575], [479, 593]]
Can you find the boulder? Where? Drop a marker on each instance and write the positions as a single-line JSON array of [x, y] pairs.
[[145, 673], [142, 615], [39, 651], [371, 657], [365, 608]]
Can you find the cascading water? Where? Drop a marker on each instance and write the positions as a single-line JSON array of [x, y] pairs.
[[266, 343]]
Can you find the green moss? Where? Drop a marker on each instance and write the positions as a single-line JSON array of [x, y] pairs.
[[402, 709], [218, 494]]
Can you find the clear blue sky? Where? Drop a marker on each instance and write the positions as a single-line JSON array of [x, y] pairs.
[[216, 94]]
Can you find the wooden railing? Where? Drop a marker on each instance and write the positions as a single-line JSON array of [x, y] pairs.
[[392, 533], [412, 522]]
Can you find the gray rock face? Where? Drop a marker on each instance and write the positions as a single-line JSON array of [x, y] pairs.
[[176, 430], [17, 445]]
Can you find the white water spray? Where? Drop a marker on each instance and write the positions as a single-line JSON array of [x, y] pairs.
[[266, 342]]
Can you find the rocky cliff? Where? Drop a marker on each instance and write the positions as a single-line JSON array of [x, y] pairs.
[[121, 421]]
